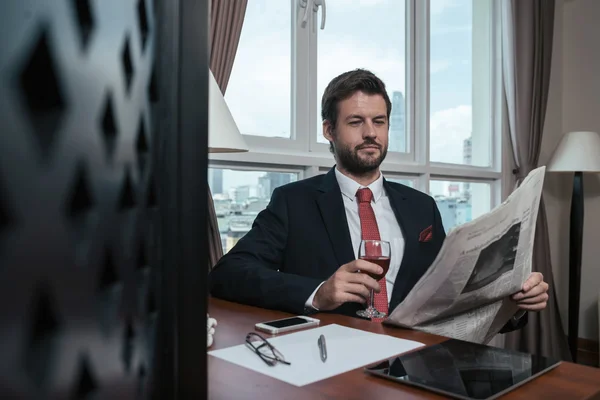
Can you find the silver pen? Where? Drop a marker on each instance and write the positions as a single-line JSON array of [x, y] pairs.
[[322, 348]]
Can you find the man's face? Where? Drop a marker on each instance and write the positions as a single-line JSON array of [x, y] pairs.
[[360, 139]]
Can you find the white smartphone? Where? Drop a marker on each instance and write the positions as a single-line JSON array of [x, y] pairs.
[[287, 324]]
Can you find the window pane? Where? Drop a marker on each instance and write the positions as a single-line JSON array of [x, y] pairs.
[[460, 78], [460, 202], [258, 92], [239, 195], [370, 35]]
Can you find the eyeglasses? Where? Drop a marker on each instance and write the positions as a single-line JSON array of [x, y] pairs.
[[264, 349]]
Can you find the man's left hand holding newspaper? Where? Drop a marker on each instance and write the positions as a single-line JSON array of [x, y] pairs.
[[534, 295]]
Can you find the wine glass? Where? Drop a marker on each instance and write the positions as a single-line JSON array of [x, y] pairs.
[[377, 252]]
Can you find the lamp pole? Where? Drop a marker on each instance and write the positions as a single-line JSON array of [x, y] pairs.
[[575, 248]]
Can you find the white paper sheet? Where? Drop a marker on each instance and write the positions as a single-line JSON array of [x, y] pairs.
[[347, 349]]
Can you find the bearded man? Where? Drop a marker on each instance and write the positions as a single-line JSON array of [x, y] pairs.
[[301, 254]]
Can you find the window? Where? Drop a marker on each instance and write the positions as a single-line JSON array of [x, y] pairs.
[[440, 61], [343, 47], [460, 76], [460, 202], [406, 182], [258, 93], [239, 195]]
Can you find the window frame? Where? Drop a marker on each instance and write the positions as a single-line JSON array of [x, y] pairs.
[[256, 167], [303, 154]]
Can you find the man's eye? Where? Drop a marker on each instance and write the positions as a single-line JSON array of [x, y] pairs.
[[380, 122], [354, 123]]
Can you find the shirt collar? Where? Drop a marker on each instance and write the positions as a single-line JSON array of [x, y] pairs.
[[349, 186]]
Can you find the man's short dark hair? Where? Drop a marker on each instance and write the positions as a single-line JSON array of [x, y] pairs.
[[344, 86]]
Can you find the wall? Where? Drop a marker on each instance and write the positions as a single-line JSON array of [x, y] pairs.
[[574, 104]]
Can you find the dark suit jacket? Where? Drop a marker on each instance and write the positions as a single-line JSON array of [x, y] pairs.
[[302, 238]]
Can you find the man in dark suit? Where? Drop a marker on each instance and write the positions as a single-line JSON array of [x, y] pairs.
[[301, 254]]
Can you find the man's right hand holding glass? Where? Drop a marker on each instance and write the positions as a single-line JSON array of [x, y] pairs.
[[350, 283]]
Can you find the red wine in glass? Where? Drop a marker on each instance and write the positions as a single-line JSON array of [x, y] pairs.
[[383, 262], [377, 252]]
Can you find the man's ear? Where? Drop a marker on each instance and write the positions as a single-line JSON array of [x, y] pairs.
[[328, 130]]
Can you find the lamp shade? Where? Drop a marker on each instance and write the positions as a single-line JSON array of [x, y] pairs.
[[223, 133], [577, 151]]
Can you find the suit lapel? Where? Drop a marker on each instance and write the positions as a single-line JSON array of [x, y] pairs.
[[407, 222], [333, 212], [397, 202]]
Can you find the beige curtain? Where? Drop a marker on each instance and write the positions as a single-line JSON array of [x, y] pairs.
[[527, 36], [226, 20]]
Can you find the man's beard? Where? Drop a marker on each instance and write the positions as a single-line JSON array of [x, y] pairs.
[[350, 160]]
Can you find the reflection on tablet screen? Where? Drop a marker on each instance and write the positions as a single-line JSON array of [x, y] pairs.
[[464, 370]]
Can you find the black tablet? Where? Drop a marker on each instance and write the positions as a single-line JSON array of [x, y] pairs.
[[464, 370]]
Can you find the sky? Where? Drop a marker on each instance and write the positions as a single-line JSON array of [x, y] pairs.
[[358, 34]]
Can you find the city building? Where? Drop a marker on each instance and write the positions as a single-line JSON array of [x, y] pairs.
[[237, 209], [215, 180], [467, 159], [454, 211], [397, 136]]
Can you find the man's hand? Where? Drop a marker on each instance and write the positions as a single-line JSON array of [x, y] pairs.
[[347, 285], [534, 295]]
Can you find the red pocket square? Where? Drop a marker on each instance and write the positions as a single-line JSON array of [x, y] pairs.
[[426, 235]]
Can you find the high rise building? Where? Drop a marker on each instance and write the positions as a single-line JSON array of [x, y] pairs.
[[453, 211], [215, 180], [467, 159], [264, 187], [397, 137], [277, 179], [239, 194], [467, 151]]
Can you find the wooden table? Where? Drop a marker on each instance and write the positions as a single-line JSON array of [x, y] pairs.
[[229, 381]]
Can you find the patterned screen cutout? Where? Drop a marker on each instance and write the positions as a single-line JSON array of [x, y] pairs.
[[78, 202]]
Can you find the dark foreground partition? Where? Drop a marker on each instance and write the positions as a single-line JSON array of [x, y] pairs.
[[103, 157]]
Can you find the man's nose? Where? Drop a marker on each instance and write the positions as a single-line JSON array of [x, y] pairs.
[[369, 131]]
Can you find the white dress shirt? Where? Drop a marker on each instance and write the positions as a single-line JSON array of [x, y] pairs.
[[389, 229]]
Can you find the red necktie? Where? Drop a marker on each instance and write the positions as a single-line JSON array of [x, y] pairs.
[[370, 231]]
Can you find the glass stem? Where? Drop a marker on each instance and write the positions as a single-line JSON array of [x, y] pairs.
[[372, 298]]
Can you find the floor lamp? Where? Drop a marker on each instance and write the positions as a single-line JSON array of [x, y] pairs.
[[577, 152], [223, 137]]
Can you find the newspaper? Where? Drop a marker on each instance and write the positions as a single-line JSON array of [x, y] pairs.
[[465, 293]]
